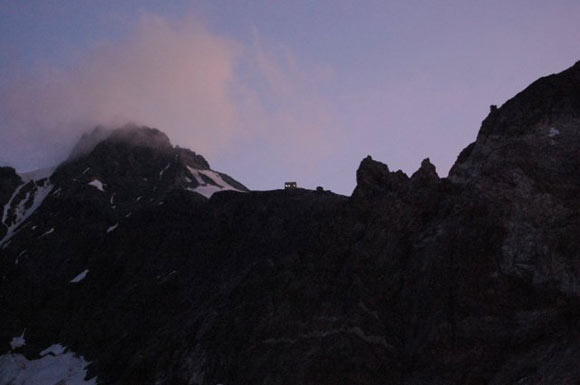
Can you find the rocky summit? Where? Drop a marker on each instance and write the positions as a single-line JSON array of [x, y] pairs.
[[134, 262]]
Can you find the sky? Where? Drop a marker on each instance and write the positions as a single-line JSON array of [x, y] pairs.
[[272, 91]]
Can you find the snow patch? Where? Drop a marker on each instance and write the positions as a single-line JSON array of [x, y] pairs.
[[195, 174], [21, 212], [112, 228], [217, 178], [47, 233], [97, 184], [18, 342], [80, 277], [7, 205], [55, 350], [163, 171], [18, 257], [54, 367], [553, 132], [207, 189]]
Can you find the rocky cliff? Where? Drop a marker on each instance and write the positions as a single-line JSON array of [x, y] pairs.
[[120, 257]]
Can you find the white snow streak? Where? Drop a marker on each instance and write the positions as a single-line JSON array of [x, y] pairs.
[[194, 173], [97, 184], [208, 189], [21, 212], [163, 171], [7, 205], [47, 233], [55, 350], [217, 178], [80, 277], [18, 256]]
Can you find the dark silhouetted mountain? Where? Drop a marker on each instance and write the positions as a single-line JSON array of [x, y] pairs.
[[151, 268]]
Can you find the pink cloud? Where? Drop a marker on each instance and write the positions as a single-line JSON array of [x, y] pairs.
[[179, 77], [297, 119]]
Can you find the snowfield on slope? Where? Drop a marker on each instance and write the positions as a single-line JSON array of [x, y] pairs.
[[208, 189], [55, 366], [24, 208]]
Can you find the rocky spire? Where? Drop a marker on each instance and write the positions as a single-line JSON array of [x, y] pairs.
[[373, 179], [426, 173]]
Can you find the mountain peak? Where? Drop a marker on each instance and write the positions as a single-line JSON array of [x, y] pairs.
[[533, 134], [88, 141], [547, 99], [131, 145], [141, 136], [469, 280], [134, 161], [129, 134]]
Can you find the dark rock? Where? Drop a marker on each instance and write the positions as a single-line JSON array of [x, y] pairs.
[[426, 173], [472, 279], [373, 180], [9, 181], [89, 141]]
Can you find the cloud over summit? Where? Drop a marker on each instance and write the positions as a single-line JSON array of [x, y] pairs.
[[179, 77]]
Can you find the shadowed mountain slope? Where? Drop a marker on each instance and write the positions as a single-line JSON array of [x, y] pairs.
[[471, 279]]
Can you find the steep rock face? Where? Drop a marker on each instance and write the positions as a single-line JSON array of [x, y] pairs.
[[526, 163], [536, 131], [9, 181], [418, 280], [374, 179]]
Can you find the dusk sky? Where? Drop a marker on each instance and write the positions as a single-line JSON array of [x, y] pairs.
[[270, 91]]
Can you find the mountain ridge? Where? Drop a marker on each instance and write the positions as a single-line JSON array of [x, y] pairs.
[[470, 279]]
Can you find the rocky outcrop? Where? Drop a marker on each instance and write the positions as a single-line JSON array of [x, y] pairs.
[[525, 163], [470, 279], [426, 174], [373, 179], [9, 181]]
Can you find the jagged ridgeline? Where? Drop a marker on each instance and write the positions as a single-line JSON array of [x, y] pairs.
[[134, 262]]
